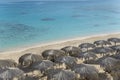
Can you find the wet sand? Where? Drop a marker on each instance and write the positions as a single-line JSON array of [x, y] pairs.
[[38, 49]]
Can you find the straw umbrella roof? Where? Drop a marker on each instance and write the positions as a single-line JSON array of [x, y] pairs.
[[54, 53], [114, 40], [68, 60], [102, 42], [10, 73], [116, 56], [52, 71], [86, 45], [89, 55], [7, 63], [42, 65], [117, 47], [86, 71], [109, 64], [26, 58], [71, 50], [102, 50], [62, 75]]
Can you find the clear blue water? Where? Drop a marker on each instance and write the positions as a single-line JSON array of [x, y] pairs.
[[27, 23]]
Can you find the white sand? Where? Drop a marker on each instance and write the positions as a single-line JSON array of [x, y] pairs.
[[15, 54]]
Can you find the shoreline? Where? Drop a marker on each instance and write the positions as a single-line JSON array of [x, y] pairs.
[[14, 50], [38, 49]]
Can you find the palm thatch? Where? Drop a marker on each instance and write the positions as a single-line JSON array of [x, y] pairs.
[[102, 43], [42, 65], [103, 50], [52, 54], [97, 61], [88, 55], [7, 63], [87, 45], [61, 75], [116, 56], [71, 50], [68, 60], [114, 40], [115, 74], [27, 59], [116, 49], [110, 64], [32, 78], [10, 73], [86, 71]]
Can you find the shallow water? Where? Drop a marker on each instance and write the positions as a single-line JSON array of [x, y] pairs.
[[26, 23]]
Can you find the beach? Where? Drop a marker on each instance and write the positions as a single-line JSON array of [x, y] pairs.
[[38, 49]]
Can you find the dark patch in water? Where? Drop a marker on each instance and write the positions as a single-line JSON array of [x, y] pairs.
[[113, 11], [113, 23], [96, 25], [23, 13], [20, 27], [107, 17], [48, 19], [19, 31], [76, 16]]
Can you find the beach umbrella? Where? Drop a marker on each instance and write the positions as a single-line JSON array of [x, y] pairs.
[[10, 73], [42, 65], [68, 60], [32, 78], [27, 59], [52, 54], [102, 43], [114, 40], [116, 48], [110, 64], [88, 55], [61, 75], [71, 50], [115, 74], [116, 56], [86, 71], [87, 45], [7, 63], [102, 50], [52, 71]]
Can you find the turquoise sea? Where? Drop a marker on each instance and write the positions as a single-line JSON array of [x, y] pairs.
[[31, 22]]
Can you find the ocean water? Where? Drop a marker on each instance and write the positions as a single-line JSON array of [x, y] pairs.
[[27, 23]]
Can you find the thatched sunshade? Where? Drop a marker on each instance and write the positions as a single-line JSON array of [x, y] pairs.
[[51, 54], [7, 63], [10, 73], [110, 64], [114, 40], [61, 75], [102, 43], [68, 60], [27, 59], [87, 45], [115, 74], [103, 50], [88, 55], [116, 48], [42, 65], [86, 71], [52, 71], [71, 50], [116, 56]]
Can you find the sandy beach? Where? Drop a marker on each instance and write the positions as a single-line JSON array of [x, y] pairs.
[[37, 49]]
